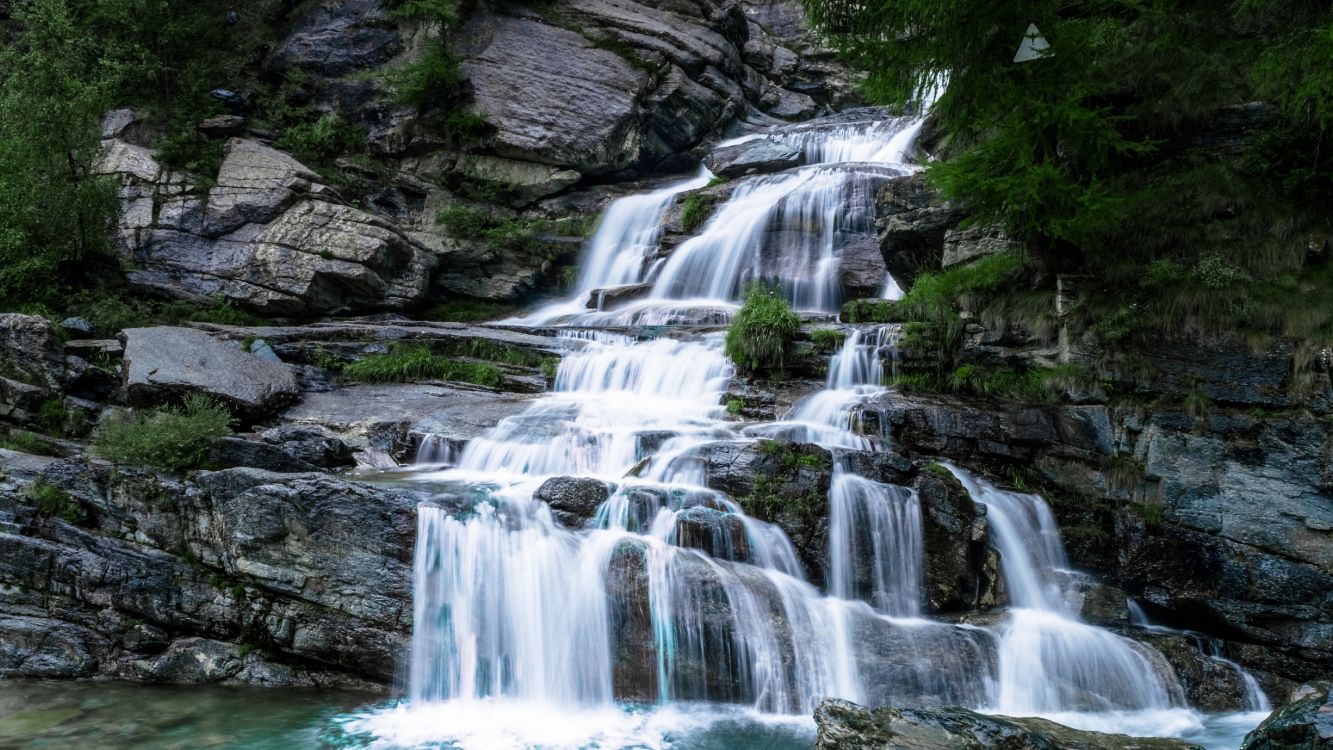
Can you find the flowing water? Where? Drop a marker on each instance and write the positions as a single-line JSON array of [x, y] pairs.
[[671, 617]]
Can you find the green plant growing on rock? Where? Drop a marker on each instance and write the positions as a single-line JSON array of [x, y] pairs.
[[56, 419], [409, 363], [695, 210], [53, 502], [26, 442], [173, 438], [763, 330], [828, 340], [734, 406]]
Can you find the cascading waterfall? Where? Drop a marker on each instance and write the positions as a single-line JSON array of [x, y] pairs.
[[1256, 700], [1050, 661], [671, 592]]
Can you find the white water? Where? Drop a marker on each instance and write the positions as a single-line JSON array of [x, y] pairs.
[[528, 633]]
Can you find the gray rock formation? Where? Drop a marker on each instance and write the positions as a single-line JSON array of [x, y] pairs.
[[178, 580], [268, 235], [847, 726], [164, 364], [1305, 723], [573, 500], [758, 156]]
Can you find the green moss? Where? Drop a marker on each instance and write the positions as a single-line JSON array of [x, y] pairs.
[[695, 211], [870, 311], [56, 419], [734, 406], [828, 340], [174, 438], [762, 332], [408, 363]]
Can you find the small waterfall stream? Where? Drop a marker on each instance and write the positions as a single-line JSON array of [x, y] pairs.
[[671, 593]]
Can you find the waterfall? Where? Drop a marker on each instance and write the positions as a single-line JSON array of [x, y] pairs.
[[1256, 699], [1050, 661], [670, 592]]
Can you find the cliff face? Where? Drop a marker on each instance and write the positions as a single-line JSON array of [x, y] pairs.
[[575, 97]]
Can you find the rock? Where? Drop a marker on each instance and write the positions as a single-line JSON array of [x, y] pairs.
[[176, 572], [231, 99], [861, 269], [573, 500], [79, 326], [164, 364], [31, 351], [957, 574], [268, 236], [758, 156], [577, 110], [1305, 723], [720, 534], [37, 648], [335, 39], [290, 448], [965, 244], [612, 297], [116, 122], [847, 726], [789, 105], [913, 219], [524, 181], [384, 417], [221, 126]]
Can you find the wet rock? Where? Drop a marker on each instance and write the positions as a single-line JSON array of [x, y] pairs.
[[721, 535], [922, 665], [861, 269], [36, 647], [954, 540], [847, 726], [758, 156], [1210, 684], [289, 448], [1305, 723], [612, 297], [573, 500], [165, 364]]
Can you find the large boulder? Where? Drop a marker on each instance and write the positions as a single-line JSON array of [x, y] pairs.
[[269, 235], [757, 156], [913, 219], [847, 726], [338, 38], [163, 364], [573, 500], [1305, 723]]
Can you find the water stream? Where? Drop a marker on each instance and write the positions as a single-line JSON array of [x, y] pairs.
[[671, 608]]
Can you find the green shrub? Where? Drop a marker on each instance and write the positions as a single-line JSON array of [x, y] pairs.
[[695, 210], [53, 502], [734, 406], [762, 332], [323, 139], [402, 364], [26, 442], [55, 419], [174, 438]]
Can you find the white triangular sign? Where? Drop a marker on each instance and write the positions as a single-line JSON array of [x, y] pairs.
[[1034, 46]]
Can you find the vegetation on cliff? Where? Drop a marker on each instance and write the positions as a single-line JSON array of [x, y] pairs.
[[1176, 156], [762, 331]]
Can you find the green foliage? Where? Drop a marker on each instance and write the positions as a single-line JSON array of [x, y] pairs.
[[404, 364], [695, 210], [1153, 514], [110, 311], [468, 310], [173, 438], [828, 340], [734, 406], [323, 139], [508, 233], [1031, 386], [1117, 155], [870, 311], [53, 502], [326, 360], [26, 442], [56, 419], [762, 332]]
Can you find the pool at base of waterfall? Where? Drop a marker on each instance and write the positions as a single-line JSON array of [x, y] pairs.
[[37, 715]]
